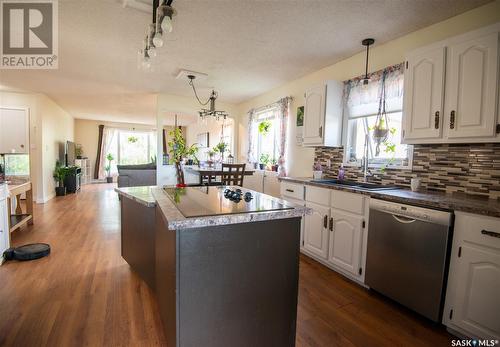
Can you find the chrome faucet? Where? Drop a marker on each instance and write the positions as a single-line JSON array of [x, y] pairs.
[[366, 172]]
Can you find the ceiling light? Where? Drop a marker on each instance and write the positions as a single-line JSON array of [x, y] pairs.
[[210, 112], [367, 43], [164, 14]]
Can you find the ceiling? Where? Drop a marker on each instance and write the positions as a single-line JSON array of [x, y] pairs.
[[247, 47]]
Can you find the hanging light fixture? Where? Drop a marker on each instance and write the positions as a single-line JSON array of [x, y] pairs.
[[211, 111], [367, 43]]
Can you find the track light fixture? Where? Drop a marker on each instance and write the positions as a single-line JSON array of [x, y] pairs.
[[156, 31]]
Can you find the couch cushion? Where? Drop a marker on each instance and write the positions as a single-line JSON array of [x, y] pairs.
[[149, 166]]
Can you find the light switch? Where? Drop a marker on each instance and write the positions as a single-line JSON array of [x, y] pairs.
[[328, 163]]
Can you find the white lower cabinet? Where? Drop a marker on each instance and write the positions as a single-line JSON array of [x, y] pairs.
[[316, 230], [334, 233], [346, 231], [473, 293]]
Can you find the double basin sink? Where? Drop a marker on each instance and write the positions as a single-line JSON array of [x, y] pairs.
[[354, 184]]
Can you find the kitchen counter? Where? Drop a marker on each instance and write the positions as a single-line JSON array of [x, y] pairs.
[[209, 259], [151, 196], [453, 202]]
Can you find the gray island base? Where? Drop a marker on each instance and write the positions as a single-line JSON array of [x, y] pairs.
[[228, 284]]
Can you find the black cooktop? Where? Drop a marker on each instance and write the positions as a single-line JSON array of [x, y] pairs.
[[212, 201]]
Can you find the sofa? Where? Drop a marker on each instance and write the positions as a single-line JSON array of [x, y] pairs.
[[136, 175]]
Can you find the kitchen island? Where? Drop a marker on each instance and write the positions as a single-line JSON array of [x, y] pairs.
[[224, 270]]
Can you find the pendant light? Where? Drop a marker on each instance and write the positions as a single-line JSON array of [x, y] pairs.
[[211, 112], [367, 43]]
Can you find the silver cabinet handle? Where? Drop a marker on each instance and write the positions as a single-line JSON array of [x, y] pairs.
[[490, 233]]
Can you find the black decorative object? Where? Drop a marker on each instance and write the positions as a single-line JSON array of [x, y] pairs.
[[27, 252], [367, 43]]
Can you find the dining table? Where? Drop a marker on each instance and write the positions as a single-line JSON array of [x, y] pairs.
[[211, 173]]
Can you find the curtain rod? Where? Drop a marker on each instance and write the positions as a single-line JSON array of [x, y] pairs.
[[271, 105]]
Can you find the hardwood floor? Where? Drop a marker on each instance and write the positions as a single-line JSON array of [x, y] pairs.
[[84, 293]]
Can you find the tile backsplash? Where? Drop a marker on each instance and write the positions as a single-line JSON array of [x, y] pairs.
[[469, 168]]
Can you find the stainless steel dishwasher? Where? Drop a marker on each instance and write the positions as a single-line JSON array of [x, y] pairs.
[[408, 255]]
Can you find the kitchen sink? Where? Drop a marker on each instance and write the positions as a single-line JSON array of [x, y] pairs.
[[355, 184]]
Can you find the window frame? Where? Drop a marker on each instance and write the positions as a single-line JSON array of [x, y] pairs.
[[258, 118], [358, 164]]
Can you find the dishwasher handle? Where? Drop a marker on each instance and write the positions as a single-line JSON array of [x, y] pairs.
[[404, 220]]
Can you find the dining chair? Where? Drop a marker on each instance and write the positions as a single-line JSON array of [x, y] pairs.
[[233, 174]]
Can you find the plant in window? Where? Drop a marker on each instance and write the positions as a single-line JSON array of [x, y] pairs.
[[78, 150], [264, 127], [132, 139], [109, 158], [264, 160], [221, 148], [274, 165], [180, 150]]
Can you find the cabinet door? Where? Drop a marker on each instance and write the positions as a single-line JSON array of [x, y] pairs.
[[254, 182], [472, 88], [345, 241], [476, 307], [314, 115], [14, 131], [316, 230], [424, 95], [272, 184]]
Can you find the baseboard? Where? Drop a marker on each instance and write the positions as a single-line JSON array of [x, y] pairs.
[[45, 199]]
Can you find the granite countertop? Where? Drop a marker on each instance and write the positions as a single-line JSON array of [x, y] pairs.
[[142, 195], [453, 202], [153, 195]]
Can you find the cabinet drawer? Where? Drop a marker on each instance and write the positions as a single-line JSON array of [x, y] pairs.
[[350, 202], [318, 195], [292, 190], [478, 229]]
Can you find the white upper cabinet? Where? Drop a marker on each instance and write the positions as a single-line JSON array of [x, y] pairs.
[[423, 96], [314, 115], [14, 131], [451, 90], [323, 115], [472, 87]]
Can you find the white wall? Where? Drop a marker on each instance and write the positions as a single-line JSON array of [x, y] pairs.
[[50, 126], [57, 128], [300, 159]]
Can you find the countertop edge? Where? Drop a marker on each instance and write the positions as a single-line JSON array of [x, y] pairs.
[[176, 221], [434, 200], [128, 193]]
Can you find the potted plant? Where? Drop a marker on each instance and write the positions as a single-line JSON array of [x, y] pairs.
[[78, 151], [59, 175], [317, 171], [180, 150], [109, 158], [221, 148], [264, 160], [210, 161], [274, 165]]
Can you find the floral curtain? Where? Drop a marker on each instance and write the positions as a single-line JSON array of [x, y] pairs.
[[251, 149], [109, 135], [363, 98], [284, 110]]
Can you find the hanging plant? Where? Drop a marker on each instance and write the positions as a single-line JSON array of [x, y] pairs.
[[381, 127], [264, 127], [132, 139]]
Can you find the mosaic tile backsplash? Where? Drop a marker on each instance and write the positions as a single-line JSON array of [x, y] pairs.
[[468, 168]]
